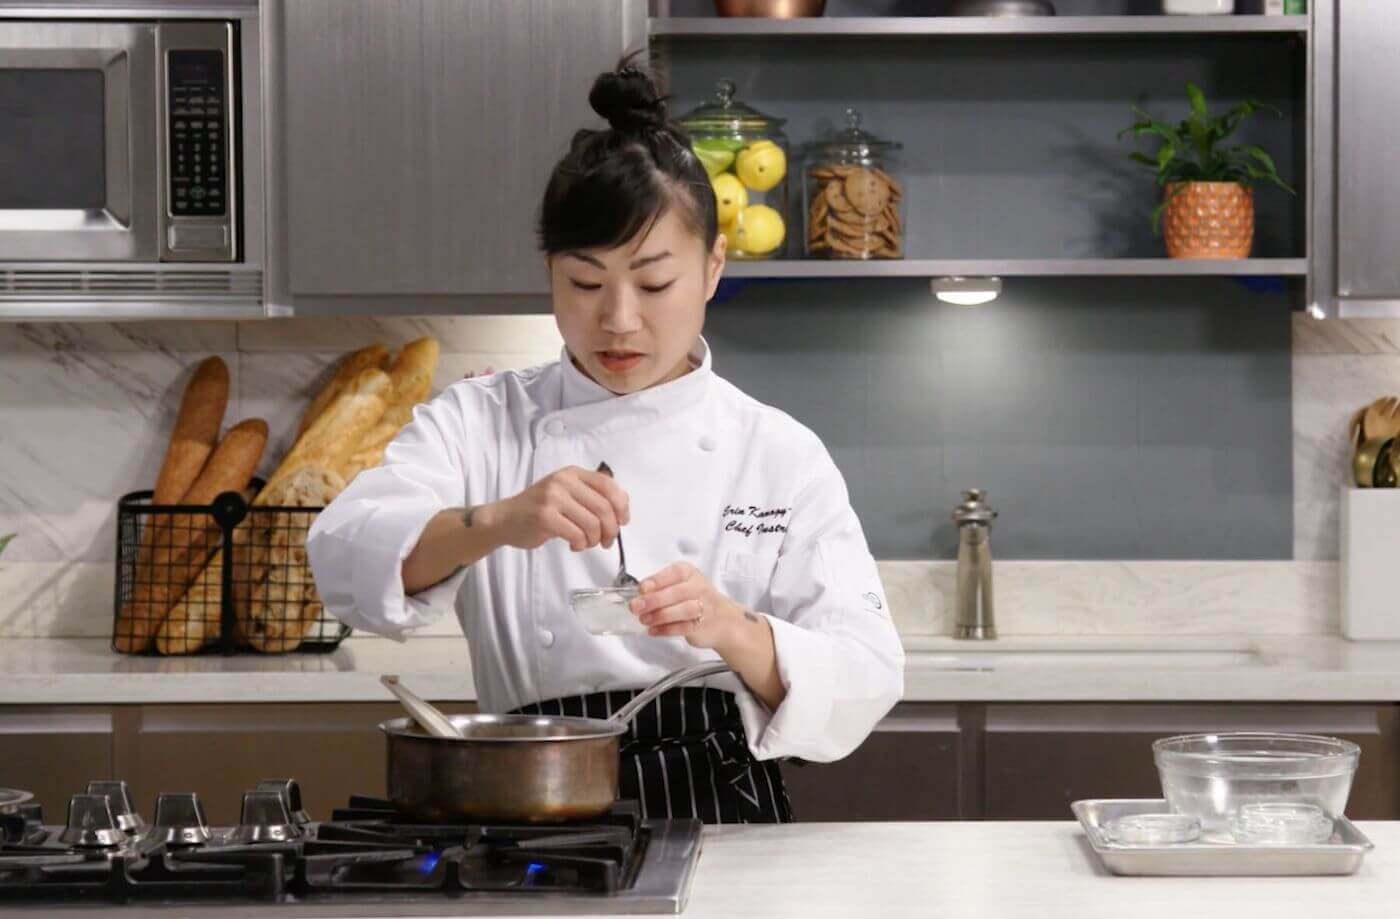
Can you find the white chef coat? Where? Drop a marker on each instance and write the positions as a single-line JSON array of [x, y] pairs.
[[715, 478]]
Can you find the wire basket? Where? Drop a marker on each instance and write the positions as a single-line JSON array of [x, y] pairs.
[[178, 593]]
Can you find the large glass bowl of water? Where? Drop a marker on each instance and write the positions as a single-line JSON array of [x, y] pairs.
[[1211, 776]]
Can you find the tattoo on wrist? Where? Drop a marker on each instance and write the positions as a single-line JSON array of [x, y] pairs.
[[467, 516]]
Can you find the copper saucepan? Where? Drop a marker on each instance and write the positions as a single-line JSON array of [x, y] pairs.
[[531, 768]]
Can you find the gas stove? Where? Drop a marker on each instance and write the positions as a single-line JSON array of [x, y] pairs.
[[364, 861]]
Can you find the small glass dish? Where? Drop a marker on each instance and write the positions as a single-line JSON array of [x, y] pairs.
[[603, 610], [1283, 823], [1153, 829]]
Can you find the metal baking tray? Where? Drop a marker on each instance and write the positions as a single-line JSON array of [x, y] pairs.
[[1342, 854]]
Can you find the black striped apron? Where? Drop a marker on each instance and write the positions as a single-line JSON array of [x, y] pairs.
[[686, 755]]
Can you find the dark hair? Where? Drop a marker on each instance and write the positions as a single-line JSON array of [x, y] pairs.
[[616, 182]]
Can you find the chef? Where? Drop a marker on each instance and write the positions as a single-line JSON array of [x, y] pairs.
[[734, 515]]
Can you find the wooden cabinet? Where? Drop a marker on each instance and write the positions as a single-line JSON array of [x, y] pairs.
[[910, 768], [54, 751], [413, 139], [220, 751], [1039, 758], [925, 761]]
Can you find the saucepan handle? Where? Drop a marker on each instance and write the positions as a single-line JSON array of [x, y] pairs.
[[647, 696]]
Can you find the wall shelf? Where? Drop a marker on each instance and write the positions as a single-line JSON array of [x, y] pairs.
[[1107, 267], [917, 26]]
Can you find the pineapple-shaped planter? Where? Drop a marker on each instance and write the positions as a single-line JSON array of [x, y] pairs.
[[1208, 220], [1207, 207]]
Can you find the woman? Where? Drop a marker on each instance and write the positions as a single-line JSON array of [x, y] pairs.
[[733, 511]]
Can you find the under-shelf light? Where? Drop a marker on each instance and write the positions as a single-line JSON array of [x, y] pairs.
[[966, 291]]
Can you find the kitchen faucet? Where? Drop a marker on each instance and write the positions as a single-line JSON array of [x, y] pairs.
[[975, 613]]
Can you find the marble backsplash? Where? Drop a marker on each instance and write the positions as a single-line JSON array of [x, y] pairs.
[[88, 409]]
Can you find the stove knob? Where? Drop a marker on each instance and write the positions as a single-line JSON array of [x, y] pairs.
[[120, 798], [291, 796], [180, 819], [91, 824], [265, 818]]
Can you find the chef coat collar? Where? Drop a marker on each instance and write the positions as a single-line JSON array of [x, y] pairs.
[[580, 391]]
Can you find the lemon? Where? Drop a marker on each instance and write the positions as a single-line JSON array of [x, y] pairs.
[[730, 197], [757, 230], [730, 232], [761, 165]]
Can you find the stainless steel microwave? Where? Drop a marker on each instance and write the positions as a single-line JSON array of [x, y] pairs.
[[131, 173]]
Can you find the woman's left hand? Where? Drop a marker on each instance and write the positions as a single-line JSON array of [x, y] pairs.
[[680, 601]]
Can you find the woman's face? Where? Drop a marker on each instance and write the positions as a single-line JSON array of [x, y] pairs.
[[630, 315]]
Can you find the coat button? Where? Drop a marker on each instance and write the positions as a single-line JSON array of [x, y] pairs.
[[555, 427], [547, 638], [708, 444], [687, 546]]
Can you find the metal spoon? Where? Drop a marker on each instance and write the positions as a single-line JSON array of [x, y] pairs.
[[623, 579], [433, 721]]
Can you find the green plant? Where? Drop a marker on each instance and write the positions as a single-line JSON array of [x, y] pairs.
[[5, 541], [1193, 151]]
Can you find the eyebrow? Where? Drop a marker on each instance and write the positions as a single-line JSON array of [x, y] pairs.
[[637, 263]]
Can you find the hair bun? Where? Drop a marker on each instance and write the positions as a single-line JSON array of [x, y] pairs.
[[628, 99]]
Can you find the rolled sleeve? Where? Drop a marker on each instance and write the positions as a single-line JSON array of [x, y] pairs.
[[838, 654], [358, 544]]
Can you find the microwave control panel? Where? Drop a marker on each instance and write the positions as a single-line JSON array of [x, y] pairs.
[[198, 139], [199, 144]]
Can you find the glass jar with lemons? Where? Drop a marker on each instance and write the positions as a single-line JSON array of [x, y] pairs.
[[746, 155]]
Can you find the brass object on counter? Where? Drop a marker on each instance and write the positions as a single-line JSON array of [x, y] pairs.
[[1376, 463], [771, 9]]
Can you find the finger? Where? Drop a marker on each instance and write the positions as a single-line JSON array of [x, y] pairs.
[[666, 596], [598, 506], [584, 519], [677, 612], [556, 524], [687, 627], [614, 493], [670, 575]]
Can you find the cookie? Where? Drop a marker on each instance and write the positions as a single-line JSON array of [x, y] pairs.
[[867, 192]]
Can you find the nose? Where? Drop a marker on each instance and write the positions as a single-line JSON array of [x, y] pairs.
[[622, 312]]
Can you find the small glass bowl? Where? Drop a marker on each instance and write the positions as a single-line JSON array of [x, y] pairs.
[[1153, 829], [603, 610], [1283, 823]]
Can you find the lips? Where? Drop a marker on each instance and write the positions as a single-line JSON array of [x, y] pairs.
[[619, 361]]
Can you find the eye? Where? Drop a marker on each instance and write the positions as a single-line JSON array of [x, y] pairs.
[[583, 285], [657, 288]]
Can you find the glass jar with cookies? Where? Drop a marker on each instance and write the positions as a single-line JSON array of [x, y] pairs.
[[852, 199], [746, 155]]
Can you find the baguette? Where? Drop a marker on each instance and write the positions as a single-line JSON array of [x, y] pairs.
[[192, 440], [327, 443], [412, 377], [376, 356], [195, 620], [334, 435], [181, 543], [412, 371], [371, 450], [196, 430]]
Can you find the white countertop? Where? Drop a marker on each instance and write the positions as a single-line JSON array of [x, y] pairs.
[[997, 871], [1302, 669]]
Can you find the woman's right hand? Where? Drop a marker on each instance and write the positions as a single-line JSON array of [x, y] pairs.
[[582, 507]]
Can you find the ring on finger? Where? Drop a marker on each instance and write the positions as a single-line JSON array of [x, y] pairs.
[[700, 615]]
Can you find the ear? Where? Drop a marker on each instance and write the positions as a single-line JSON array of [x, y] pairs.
[[714, 265]]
